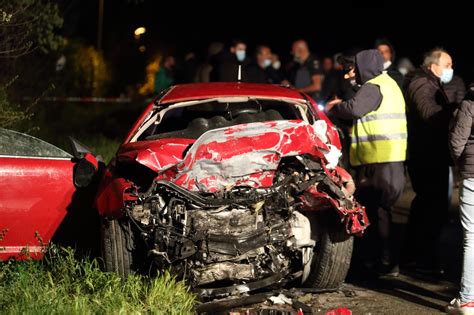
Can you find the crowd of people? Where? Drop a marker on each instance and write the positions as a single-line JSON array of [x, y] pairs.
[[397, 120]]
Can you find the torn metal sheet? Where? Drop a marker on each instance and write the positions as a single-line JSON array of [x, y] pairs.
[[246, 154]]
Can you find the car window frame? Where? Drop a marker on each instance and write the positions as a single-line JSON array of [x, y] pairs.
[[301, 105]]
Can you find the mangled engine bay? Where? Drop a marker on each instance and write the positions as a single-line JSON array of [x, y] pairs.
[[248, 232]]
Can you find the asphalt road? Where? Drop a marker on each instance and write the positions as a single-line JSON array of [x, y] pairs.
[[409, 293]]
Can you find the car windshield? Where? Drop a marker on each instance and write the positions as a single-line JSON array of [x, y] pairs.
[[192, 121], [14, 143]]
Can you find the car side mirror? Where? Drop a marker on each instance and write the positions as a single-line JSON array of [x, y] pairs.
[[79, 150], [87, 165], [85, 170]]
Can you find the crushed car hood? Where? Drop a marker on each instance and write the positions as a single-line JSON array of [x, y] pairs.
[[157, 155], [246, 154]]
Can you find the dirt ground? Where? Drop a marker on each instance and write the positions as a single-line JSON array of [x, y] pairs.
[[409, 293]]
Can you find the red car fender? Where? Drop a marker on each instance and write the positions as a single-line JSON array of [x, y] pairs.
[[354, 219], [112, 195]]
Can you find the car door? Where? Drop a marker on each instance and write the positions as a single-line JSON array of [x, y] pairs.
[[36, 189]]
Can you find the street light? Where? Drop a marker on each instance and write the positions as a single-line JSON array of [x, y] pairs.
[[139, 31]]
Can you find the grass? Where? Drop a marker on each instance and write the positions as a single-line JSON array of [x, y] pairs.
[[101, 145], [61, 284]]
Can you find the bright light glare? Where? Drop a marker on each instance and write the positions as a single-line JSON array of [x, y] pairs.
[[139, 31], [321, 107]]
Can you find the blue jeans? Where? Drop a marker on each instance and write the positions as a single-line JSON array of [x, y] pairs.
[[466, 196]]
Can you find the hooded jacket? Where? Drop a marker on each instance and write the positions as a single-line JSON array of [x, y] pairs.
[[368, 65], [379, 184]]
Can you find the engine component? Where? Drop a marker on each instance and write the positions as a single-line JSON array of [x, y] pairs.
[[239, 239]]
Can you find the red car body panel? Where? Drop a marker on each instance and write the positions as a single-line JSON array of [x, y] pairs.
[[158, 155], [139, 122], [35, 194], [195, 91], [112, 194]]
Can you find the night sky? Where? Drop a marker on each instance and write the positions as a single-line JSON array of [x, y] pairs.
[[183, 27]]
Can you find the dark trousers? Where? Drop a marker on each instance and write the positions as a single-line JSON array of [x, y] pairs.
[[378, 188], [428, 213]]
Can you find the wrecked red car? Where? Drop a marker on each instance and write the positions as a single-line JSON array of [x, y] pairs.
[[233, 186]]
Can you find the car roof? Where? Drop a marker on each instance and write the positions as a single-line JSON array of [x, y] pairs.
[[196, 91]]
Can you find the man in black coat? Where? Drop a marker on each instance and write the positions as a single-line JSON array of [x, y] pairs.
[[261, 70], [305, 73], [428, 114], [388, 53], [226, 64], [455, 89]]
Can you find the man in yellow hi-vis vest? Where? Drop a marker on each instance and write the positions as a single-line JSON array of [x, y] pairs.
[[378, 152]]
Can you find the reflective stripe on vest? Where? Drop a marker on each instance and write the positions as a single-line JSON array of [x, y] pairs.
[[381, 135]]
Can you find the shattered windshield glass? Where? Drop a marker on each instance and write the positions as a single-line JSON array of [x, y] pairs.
[[192, 121], [19, 144]]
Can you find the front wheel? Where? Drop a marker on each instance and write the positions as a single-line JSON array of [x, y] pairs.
[[332, 255], [118, 247]]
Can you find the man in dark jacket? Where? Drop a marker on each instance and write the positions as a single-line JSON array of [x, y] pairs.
[[455, 89], [305, 73], [227, 63], [428, 114], [261, 70], [388, 53], [378, 152], [461, 142]]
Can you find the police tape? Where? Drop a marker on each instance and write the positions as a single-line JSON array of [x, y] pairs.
[[80, 99]]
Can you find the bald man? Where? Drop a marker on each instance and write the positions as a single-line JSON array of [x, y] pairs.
[[305, 72], [429, 112]]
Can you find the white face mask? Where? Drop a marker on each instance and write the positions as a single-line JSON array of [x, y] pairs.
[[386, 64], [276, 65], [267, 63], [403, 71], [240, 54], [447, 75]]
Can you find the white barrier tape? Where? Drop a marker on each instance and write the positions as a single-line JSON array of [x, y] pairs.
[[79, 99]]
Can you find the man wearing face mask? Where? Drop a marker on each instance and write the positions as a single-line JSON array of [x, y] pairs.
[[305, 73], [227, 67], [261, 70], [388, 53], [429, 112]]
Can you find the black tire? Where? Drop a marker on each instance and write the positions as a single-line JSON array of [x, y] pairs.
[[332, 256], [118, 246]]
